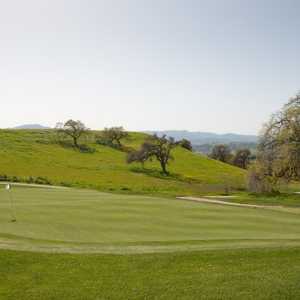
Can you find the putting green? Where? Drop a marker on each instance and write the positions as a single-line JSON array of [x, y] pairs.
[[71, 220]]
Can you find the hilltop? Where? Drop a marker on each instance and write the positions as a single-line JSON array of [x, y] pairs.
[[31, 126], [32, 155]]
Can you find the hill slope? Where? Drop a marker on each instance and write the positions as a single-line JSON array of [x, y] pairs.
[[25, 153]]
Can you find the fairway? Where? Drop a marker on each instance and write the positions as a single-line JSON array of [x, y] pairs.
[[74, 220]]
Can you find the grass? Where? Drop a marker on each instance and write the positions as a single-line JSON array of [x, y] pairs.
[[281, 199], [71, 220], [85, 244], [25, 154], [144, 248], [266, 274]]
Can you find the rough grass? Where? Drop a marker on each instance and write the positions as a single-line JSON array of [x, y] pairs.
[[268, 274], [280, 199], [25, 154]]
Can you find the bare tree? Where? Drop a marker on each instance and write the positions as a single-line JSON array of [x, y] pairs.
[[137, 156], [73, 129], [279, 146], [156, 147], [258, 182], [221, 153], [241, 158], [186, 144], [113, 136]]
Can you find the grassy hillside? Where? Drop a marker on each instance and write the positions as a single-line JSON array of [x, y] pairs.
[[25, 153]]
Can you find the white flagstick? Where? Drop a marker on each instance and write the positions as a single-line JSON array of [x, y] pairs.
[[12, 210]]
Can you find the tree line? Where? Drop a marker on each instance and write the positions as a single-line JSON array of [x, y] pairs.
[[240, 158]]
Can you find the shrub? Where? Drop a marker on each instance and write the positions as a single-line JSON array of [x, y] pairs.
[[260, 183], [186, 144], [112, 137], [86, 149]]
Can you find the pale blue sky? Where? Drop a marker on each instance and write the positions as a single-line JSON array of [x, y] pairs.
[[215, 65]]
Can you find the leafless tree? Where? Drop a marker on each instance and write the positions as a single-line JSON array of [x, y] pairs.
[[279, 146], [156, 147], [241, 158], [221, 153], [113, 136], [73, 129], [186, 144]]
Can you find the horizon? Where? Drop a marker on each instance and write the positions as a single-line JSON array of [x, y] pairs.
[[146, 130], [204, 66]]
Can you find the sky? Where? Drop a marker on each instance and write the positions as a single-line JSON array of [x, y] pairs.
[[200, 65]]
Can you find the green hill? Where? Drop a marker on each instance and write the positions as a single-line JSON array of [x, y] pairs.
[[32, 155]]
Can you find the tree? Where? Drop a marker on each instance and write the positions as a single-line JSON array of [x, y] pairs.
[[139, 156], [279, 145], [221, 153], [73, 129], [241, 158], [156, 147], [186, 144], [259, 182], [113, 136]]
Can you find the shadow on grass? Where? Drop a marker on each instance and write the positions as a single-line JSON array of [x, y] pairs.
[[200, 187], [83, 148], [161, 175]]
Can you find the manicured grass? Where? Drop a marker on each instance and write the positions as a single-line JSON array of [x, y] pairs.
[[27, 154], [265, 274], [212, 251], [71, 220]]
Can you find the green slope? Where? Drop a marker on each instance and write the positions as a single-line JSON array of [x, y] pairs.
[[26, 153]]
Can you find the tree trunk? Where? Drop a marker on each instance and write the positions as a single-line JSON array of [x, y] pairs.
[[75, 142], [164, 168]]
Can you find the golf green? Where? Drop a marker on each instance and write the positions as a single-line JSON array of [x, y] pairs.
[[73, 220]]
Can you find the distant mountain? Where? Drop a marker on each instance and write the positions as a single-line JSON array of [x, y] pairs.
[[234, 146], [31, 126], [200, 138]]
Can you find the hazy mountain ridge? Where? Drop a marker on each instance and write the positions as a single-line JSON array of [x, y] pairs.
[[200, 138], [31, 126]]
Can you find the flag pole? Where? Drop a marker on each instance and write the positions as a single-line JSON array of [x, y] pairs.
[[12, 208]]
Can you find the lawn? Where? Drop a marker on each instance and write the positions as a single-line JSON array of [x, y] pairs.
[[266, 274], [73, 220], [84, 244]]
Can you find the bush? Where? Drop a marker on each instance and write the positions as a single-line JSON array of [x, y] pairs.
[[260, 183], [30, 180], [186, 144], [86, 149], [112, 137]]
